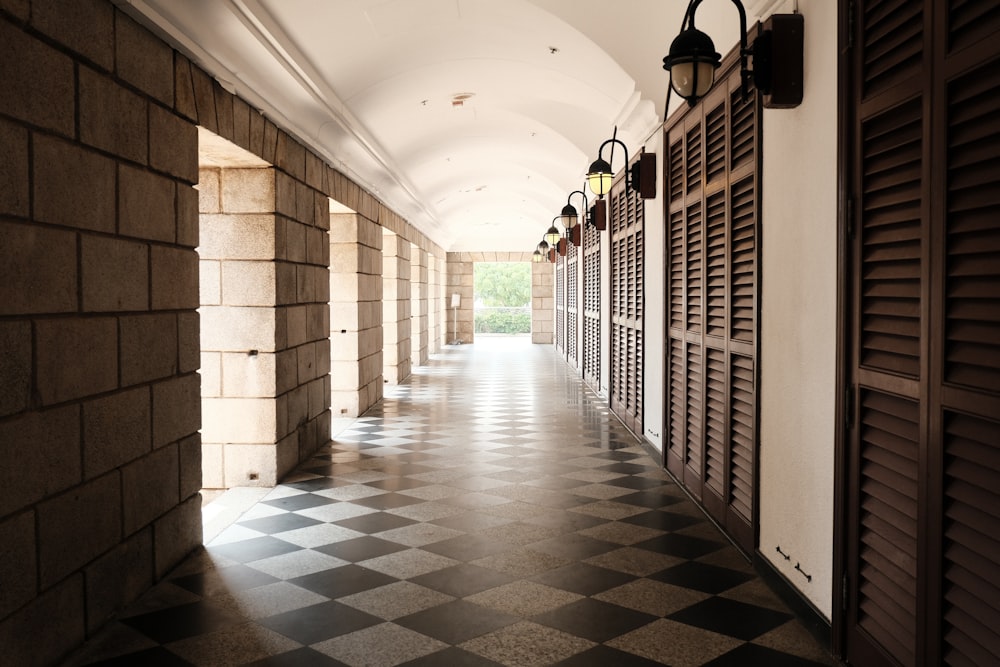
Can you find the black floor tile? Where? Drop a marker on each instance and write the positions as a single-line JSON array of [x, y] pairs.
[[299, 502], [638, 483], [451, 657], [397, 484], [318, 484], [702, 577], [151, 657], [316, 623], [463, 580], [682, 546], [253, 549], [605, 656], [661, 520], [574, 546], [375, 522], [566, 521], [279, 523], [751, 654], [594, 620], [652, 499], [456, 622], [342, 581], [730, 617], [583, 579], [387, 501], [361, 548], [625, 468], [467, 547], [223, 580], [303, 657], [183, 621]]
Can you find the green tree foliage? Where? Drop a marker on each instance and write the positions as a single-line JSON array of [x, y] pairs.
[[503, 283]]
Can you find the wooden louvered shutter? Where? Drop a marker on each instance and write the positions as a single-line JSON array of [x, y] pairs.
[[560, 303], [712, 220], [592, 306], [572, 308], [922, 529], [627, 247]]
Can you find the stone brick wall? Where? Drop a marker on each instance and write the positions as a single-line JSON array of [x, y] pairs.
[[543, 303], [418, 306], [460, 275], [100, 459], [395, 307], [356, 314]]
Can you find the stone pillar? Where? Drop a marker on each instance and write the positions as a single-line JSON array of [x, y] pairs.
[[460, 281], [418, 305], [355, 314], [264, 317], [395, 307], [433, 316], [542, 303]]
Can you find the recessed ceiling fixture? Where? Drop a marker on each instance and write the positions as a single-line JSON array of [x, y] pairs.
[[458, 99]]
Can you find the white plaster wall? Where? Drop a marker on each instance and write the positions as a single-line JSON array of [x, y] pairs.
[[798, 317], [653, 300]]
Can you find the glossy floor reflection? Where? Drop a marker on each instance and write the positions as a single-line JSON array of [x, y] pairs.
[[490, 511]]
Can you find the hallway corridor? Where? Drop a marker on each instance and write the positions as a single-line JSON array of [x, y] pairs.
[[491, 511]]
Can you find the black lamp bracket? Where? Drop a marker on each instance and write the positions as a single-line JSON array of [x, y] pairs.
[[745, 74], [631, 172], [585, 209]]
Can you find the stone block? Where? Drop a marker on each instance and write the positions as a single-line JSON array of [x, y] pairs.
[[189, 451], [150, 487], [241, 123], [176, 535], [144, 60], [316, 391], [317, 247], [211, 374], [295, 241], [248, 190], [345, 227], [306, 279], [317, 321], [77, 526], [62, 607], [146, 205], [286, 453], [148, 347], [306, 362], [296, 318], [46, 446], [38, 82], [117, 578], [298, 409], [204, 99], [285, 199], [286, 371], [286, 283], [305, 204], [346, 403], [248, 283], [344, 288], [176, 409], [248, 376], [315, 170], [116, 429], [75, 358], [112, 117], [344, 258], [187, 216], [13, 170], [370, 288], [86, 26], [20, 10], [209, 190], [210, 282], [344, 347], [244, 236], [173, 144], [323, 355], [250, 465], [174, 278], [243, 420], [224, 112], [188, 342], [290, 155], [15, 367], [212, 476], [18, 566], [65, 175], [115, 274], [345, 316]]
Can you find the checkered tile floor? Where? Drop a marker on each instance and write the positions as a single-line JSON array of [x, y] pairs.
[[489, 512]]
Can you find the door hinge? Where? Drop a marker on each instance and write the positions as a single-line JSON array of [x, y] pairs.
[[849, 394]]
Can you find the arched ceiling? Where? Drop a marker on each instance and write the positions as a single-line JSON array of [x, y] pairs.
[[474, 119]]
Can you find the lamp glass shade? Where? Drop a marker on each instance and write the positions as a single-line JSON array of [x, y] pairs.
[[568, 217], [553, 235], [692, 62], [537, 256], [600, 177], [543, 247]]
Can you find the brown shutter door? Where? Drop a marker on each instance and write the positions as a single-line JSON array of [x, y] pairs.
[[921, 535], [712, 217], [572, 308], [592, 306], [560, 303]]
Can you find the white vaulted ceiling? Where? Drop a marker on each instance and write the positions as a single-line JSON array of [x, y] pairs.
[[372, 86]]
